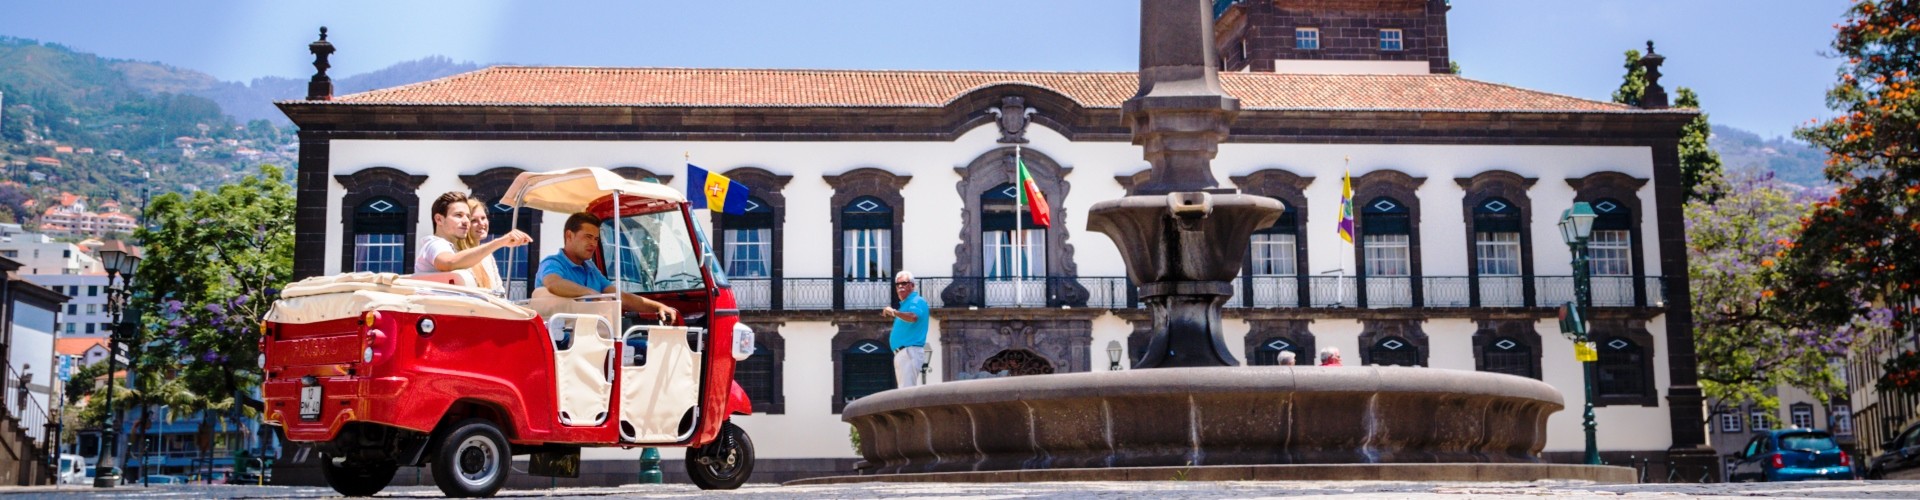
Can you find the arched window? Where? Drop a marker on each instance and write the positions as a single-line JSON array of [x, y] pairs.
[[866, 238], [515, 263], [1013, 244], [1496, 234], [1268, 353], [1394, 351], [759, 376], [749, 241], [380, 236], [1620, 368], [1509, 356], [1386, 235], [865, 368], [1611, 246]]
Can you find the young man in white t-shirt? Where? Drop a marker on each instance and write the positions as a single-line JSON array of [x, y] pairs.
[[450, 221]]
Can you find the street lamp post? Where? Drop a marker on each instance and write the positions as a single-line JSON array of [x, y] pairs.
[[118, 263], [1576, 226]]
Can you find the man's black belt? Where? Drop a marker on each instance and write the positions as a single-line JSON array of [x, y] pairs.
[[903, 348]]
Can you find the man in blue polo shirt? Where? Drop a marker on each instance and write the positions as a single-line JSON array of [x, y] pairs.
[[909, 337], [572, 273]]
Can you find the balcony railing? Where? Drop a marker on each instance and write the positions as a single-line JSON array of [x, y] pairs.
[[1112, 292]]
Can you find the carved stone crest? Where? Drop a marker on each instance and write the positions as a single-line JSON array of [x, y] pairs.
[[1012, 117]]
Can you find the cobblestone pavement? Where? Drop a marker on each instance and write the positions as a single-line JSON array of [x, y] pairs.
[[1093, 490]]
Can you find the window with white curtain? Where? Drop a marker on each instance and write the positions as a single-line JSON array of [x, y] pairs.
[[1499, 253], [1003, 254], [1388, 255], [866, 238], [1273, 255], [1611, 252], [748, 252]]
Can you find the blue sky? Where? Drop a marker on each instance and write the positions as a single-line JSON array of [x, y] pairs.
[[1758, 64]]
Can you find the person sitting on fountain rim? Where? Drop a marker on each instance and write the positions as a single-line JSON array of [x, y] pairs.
[[909, 336], [1286, 358]]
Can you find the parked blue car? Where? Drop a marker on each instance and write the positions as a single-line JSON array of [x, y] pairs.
[[1792, 455]]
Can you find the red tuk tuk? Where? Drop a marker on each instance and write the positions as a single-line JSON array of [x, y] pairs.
[[380, 371]]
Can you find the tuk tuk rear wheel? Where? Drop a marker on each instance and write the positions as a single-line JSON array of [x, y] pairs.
[[472, 460], [356, 479], [723, 464]]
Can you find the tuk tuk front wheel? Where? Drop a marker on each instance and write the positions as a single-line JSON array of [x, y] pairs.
[[356, 479], [723, 464], [472, 460]]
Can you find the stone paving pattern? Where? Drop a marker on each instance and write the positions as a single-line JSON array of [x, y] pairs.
[[1065, 490]]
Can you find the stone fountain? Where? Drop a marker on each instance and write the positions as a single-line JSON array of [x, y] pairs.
[[1187, 410]]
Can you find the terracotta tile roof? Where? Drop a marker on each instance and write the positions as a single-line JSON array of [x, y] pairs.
[[674, 87], [76, 347]]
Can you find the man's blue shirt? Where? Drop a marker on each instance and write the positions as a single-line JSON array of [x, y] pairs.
[[583, 274], [908, 334]]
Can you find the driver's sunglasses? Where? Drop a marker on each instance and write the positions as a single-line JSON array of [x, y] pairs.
[[903, 283]]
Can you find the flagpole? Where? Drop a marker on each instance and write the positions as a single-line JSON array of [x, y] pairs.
[[1019, 231]]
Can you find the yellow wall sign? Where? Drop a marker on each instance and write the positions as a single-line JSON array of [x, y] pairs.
[[1585, 352]]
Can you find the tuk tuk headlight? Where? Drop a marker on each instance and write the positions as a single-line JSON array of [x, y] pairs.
[[368, 356], [263, 361]]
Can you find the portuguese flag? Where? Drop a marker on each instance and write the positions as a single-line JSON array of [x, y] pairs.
[[1029, 195]]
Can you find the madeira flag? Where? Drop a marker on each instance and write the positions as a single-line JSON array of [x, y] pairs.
[[717, 192]]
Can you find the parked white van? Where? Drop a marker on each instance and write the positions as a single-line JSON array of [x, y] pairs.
[[73, 470]]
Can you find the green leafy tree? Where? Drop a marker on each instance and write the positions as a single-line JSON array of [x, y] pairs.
[[1864, 241], [215, 263], [1697, 161], [1747, 338]]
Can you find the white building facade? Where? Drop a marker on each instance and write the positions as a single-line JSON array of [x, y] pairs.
[[855, 175]]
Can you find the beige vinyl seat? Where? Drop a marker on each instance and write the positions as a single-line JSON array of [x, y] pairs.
[[583, 332], [654, 397]]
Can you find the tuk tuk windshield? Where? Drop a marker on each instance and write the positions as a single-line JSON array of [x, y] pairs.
[[655, 253]]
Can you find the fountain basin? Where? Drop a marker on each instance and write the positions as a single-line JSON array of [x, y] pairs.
[[1210, 416]]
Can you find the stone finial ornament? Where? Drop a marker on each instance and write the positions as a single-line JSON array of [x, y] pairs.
[[320, 88], [1655, 97]]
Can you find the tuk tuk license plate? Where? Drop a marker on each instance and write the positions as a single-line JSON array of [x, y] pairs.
[[310, 402]]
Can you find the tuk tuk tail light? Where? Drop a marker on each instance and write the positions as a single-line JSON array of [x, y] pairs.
[[368, 319], [1776, 462], [379, 346], [263, 361]]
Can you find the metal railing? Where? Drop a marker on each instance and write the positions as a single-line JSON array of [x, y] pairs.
[[25, 410], [1114, 292]]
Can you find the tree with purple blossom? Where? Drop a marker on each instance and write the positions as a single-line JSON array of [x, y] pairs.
[[1749, 335], [215, 262]]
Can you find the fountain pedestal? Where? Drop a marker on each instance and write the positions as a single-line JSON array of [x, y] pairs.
[[1183, 250]]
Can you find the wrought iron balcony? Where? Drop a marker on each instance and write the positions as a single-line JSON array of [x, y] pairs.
[[1114, 292]]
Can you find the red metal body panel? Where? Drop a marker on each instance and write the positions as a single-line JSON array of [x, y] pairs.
[[414, 379]]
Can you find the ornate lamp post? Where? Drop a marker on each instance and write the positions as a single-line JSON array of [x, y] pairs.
[[119, 263], [1576, 226], [1113, 355]]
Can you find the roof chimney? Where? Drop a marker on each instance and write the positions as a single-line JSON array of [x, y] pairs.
[[320, 88], [1654, 97]]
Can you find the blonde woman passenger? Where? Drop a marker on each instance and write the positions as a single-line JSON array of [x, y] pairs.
[[486, 274]]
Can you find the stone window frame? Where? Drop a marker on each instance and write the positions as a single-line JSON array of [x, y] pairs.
[[767, 336], [379, 181], [1522, 331], [1635, 331], [768, 187], [1723, 415], [850, 186], [1294, 331], [1372, 330], [990, 170], [491, 184], [848, 334], [1290, 189], [1405, 189], [1625, 189], [1513, 188]]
